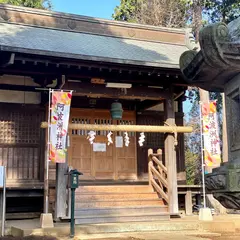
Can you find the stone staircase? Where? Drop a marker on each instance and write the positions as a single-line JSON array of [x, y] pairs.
[[118, 203]]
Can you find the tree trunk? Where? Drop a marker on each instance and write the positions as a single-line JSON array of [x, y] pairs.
[[197, 18]]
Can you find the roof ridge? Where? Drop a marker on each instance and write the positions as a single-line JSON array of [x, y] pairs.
[[90, 19]]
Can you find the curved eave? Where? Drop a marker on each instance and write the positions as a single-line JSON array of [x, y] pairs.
[[198, 73]]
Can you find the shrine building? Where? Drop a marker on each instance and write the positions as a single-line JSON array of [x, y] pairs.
[[103, 62]]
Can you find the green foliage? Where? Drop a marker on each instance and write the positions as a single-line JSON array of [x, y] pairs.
[[40, 4], [126, 10], [222, 10], [216, 10], [165, 13], [193, 167], [193, 141]]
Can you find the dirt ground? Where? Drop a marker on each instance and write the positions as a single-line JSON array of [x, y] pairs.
[[28, 238], [169, 236]]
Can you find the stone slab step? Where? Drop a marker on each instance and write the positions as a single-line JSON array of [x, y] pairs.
[[119, 219], [112, 189], [123, 203], [153, 235], [138, 227], [121, 211], [114, 196]]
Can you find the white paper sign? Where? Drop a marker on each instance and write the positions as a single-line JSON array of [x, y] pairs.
[[1, 176], [99, 147], [119, 141]]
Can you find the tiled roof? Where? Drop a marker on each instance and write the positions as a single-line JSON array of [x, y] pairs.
[[84, 46]]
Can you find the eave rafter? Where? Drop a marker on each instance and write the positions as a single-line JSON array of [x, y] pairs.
[[33, 65], [147, 83]]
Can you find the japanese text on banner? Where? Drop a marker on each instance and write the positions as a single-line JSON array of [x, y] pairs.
[[212, 152], [60, 110]]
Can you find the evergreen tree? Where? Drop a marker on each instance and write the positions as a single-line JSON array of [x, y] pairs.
[[164, 13], [40, 4]]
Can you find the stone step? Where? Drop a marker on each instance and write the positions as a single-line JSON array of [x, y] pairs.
[[119, 219], [115, 189], [141, 226], [114, 196], [192, 227], [121, 211], [122, 203]]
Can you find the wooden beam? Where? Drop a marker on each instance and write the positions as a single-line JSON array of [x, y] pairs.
[[170, 156], [58, 67], [143, 105], [101, 91], [126, 128]]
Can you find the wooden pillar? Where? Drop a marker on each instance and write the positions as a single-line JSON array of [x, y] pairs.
[[61, 188], [61, 191], [188, 202], [170, 156], [198, 199], [150, 176]]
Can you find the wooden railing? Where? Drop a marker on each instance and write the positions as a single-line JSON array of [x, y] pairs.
[[158, 174]]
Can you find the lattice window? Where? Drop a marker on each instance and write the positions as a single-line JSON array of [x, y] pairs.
[[20, 126], [153, 140], [80, 121], [102, 122], [126, 122], [21, 141]]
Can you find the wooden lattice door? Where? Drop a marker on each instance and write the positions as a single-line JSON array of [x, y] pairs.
[[80, 154], [21, 142], [126, 156], [114, 163]]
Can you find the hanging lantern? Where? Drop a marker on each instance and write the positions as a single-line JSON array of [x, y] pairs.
[[116, 110]]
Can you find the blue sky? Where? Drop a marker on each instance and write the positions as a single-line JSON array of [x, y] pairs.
[[92, 8]]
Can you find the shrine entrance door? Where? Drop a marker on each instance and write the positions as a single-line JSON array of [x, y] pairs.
[[116, 163]]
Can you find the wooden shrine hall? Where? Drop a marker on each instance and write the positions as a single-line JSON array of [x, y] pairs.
[[103, 62]]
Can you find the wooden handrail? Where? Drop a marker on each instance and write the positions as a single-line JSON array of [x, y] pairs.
[[158, 174], [160, 178], [160, 191], [160, 164]]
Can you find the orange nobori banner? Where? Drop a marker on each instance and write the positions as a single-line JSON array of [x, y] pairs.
[[212, 151], [60, 110]]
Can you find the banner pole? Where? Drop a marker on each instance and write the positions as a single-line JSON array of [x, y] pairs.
[[46, 180], [202, 156]]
